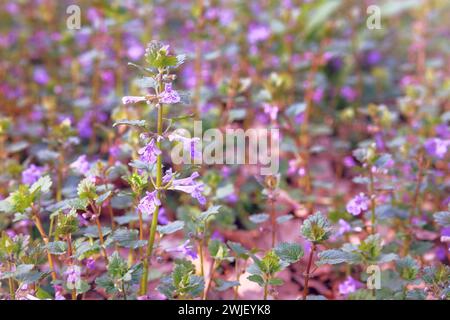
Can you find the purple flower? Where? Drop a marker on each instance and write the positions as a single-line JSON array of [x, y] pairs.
[[81, 165], [135, 51], [186, 249], [436, 147], [149, 153], [189, 144], [349, 94], [358, 204], [90, 263], [32, 174], [73, 274], [59, 292], [344, 227], [40, 76], [190, 186], [149, 203], [271, 111], [348, 286], [169, 96], [258, 33], [132, 99], [349, 162], [162, 217]]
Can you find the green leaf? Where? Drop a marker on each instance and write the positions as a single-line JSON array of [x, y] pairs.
[[171, 227], [208, 213], [276, 282], [146, 82], [395, 7], [42, 185], [289, 252], [57, 247], [408, 268], [442, 218], [125, 238], [285, 218], [223, 285], [336, 257], [103, 197], [237, 248], [132, 123], [259, 218], [321, 15], [256, 278]]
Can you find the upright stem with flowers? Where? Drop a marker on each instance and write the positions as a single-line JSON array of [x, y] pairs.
[[160, 62]]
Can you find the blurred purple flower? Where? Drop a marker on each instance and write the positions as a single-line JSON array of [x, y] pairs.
[[350, 285], [349, 94], [436, 147], [258, 33], [81, 165], [358, 204], [344, 227], [32, 174], [40, 76], [186, 249]]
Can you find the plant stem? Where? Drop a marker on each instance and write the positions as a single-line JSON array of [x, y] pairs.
[[266, 290], [44, 237], [211, 277], [273, 221], [69, 253], [151, 237], [308, 268], [372, 201], [99, 228], [415, 201], [238, 275]]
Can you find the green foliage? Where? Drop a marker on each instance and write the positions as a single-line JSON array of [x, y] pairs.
[[67, 223], [408, 268], [86, 190], [119, 277], [316, 228], [289, 252], [182, 283]]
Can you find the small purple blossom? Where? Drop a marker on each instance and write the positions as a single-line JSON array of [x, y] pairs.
[[186, 249], [190, 186], [73, 274], [344, 227], [148, 204], [350, 285], [81, 165], [358, 204], [436, 147], [32, 174], [149, 153], [169, 96]]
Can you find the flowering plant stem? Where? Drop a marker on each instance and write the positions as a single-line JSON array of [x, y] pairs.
[[372, 201], [44, 237], [308, 269], [151, 237]]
